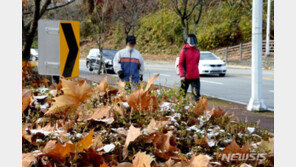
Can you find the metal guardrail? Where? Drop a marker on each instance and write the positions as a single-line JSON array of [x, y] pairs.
[[241, 52]]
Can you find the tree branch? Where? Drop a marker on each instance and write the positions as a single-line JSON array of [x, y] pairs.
[[52, 8]]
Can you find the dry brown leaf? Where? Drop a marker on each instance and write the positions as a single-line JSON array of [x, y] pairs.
[[26, 99], [132, 134], [120, 109], [139, 99], [125, 164], [216, 113], [25, 135], [165, 146], [203, 142], [60, 152], [86, 142], [100, 113], [49, 146], [102, 87], [233, 147], [244, 165], [75, 92], [201, 106], [141, 159], [97, 143], [267, 145], [150, 82], [28, 159], [199, 161], [169, 163], [155, 125], [121, 85]]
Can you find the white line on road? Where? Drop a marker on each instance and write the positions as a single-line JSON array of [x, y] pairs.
[[212, 82]]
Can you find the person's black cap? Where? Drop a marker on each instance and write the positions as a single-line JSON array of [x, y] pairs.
[[191, 39], [131, 39]]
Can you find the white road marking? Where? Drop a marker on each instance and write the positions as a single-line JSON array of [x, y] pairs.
[[212, 82], [272, 91]]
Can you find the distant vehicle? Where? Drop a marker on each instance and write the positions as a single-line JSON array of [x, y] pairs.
[[93, 59], [209, 64], [33, 54], [33, 57]]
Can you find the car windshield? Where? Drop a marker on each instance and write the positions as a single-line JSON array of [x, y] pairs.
[[208, 56], [109, 53]]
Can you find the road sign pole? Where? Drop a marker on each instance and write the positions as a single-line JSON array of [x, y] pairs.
[[267, 47], [256, 102]]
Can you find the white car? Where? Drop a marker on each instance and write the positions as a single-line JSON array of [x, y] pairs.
[[93, 59], [209, 64]]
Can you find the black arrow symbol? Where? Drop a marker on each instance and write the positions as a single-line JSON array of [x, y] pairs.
[[73, 49]]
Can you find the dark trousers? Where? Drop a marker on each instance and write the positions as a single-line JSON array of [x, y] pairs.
[[195, 85]]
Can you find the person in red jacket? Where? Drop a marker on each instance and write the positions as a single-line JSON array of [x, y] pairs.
[[188, 67]]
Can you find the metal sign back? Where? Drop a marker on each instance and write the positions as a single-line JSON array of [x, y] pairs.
[[58, 45], [48, 47]]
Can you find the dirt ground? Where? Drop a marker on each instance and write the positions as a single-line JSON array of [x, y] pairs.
[[266, 119]]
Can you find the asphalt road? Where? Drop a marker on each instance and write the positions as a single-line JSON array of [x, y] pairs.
[[234, 87]]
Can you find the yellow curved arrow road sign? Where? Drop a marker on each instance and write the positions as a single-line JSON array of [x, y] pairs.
[[69, 48]]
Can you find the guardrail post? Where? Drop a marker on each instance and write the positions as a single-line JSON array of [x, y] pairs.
[[240, 51]]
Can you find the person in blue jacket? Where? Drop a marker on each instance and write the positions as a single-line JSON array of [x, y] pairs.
[[128, 62]]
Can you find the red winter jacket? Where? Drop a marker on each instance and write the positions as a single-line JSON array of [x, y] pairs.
[[188, 62]]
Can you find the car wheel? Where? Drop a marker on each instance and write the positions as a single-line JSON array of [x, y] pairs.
[[222, 75], [87, 64]]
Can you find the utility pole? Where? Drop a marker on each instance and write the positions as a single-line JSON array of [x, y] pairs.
[[267, 47], [256, 102]]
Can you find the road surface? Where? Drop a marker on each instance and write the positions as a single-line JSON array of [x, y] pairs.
[[235, 86]]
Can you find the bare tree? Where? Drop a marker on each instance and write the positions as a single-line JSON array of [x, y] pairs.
[[128, 11], [100, 12], [188, 10], [31, 13]]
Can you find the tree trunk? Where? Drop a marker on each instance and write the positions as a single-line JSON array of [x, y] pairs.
[[185, 33], [30, 36]]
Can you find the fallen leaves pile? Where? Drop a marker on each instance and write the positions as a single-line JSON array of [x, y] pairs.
[[74, 123]]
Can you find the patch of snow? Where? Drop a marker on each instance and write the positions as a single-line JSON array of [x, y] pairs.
[[211, 143], [165, 104], [193, 128], [228, 140], [125, 104], [44, 106], [107, 120], [216, 163], [178, 115], [189, 153], [40, 97], [256, 135], [240, 135], [251, 130], [38, 140], [79, 135], [39, 120], [158, 92], [107, 148], [45, 133]]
